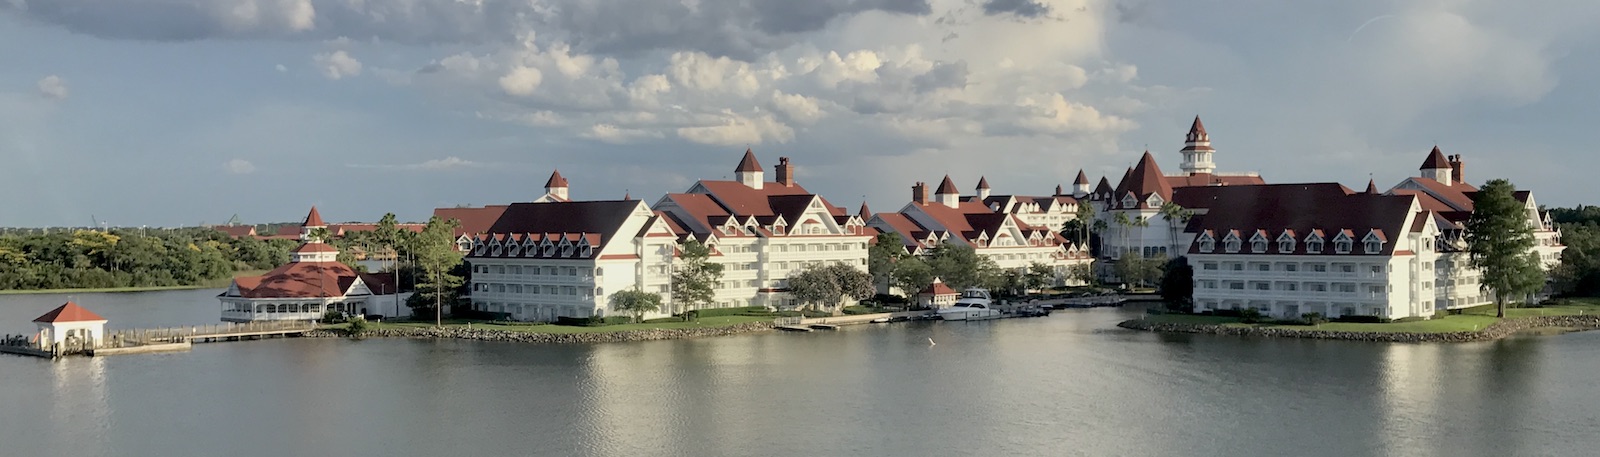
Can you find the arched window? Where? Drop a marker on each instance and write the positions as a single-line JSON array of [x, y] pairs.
[[1208, 245], [1258, 246], [1314, 247], [1373, 246], [599, 271], [1342, 246], [1286, 246]]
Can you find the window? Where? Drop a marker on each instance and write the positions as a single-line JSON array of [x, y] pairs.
[[1314, 247], [1319, 268], [1258, 246], [1373, 246], [1341, 246], [1319, 287], [1286, 246], [1289, 286], [1263, 286], [1344, 288], [1375, 269], [1236, 266], [1291, 267], [1236, 285], [1233, 246], [1208, 265]]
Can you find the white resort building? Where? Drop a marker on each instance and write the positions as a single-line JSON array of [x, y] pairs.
[[1290, 249], [311, 284], [762, 231], [993, 226]]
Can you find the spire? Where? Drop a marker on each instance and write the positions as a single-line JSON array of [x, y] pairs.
[[947, 187], [1436, 160], [983, 183], [864, 213], [627, 196], [1144, 180], [313, 219], [556, 180], [1083, 179], [1197, 130], [1197, 150], [748, 163], [1372, 186]]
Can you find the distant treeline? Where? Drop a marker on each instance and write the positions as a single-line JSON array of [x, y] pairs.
[[1579, 273], [129, 257]]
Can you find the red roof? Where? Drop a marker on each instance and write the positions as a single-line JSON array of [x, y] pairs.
[[1143, 180], [911, 233], [938, 288], [1297, 208], [473, 220], [556, 180], [236, 231], [748, 163], [315, 247], [983, 183], [864, 212], [1208, 179], [947, 187], [1103, 188], [1436, 160], [1372, 186], [299, 280], [1197, 129], [1082, 178], [69, 312], [313, 219]]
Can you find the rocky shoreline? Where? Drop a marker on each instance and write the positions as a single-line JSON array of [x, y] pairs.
[[462, 333], [1495, 331]]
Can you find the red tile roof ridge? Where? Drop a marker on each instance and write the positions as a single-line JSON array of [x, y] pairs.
[[68, 312]]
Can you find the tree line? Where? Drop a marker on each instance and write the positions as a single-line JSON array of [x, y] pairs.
[[130, 257]]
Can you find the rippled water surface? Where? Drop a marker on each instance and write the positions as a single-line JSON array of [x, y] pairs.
[[1068, 384]]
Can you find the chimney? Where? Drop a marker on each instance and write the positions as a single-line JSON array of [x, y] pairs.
[[785, 172], [1456, 166], [919, 193]]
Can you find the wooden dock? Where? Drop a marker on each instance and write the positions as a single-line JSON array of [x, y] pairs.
[[793, 328]]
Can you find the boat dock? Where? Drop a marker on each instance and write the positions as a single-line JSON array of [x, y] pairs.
[[153, 340]]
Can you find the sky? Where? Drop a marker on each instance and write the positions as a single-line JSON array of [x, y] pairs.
[[182, 112]]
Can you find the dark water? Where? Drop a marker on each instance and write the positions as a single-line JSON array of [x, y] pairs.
[[1068, 384]]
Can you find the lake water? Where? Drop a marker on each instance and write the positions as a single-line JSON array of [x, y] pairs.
[[1067, 384]]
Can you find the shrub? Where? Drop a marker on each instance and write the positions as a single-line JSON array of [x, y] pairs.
[[890, 299], [358, 326], [1233, 312], [1155, 311], [593, 321], [741, 311], [1357, 319], [333, 317], [1313, 319], [1250, 315]]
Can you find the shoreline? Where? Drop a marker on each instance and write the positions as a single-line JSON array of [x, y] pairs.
[[460, 333], [1498, 330], [107, 290]]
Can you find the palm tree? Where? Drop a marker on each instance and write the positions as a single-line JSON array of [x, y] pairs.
[[1086, 214], [1141, 222], [1122, 221], [1172, 212]]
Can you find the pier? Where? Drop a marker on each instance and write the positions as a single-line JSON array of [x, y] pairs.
[[150, 340]]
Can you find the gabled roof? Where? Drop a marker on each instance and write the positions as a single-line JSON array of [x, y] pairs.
[[748, 163], [69, 312], [313, 219], [742, 200], [937, 289], [556, 180], [1208, 179], [473, 220], [1082, 178], [1143, 181], [604, 218], [314, 247], [299, 280], [911, 233], [1104, 187], [1302, 208], [1435, 160], [947, 187]]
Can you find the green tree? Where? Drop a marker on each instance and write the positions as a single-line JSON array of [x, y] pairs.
[[1086, 217], [1499, 241], [882, 257], [1579, 271], [962, 267], [827, 284], [1176, 217], [436, 254], [1039, 276], [636, 303], [911, 275], [1081, 273], [695, 277], [1177, 284], [1123, 222]]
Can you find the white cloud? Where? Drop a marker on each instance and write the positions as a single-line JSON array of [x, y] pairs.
[[338, 65], [240, 167], [281, 68], [797, 107], [53, 87], [447, 163], [521, 81], [736, 129]]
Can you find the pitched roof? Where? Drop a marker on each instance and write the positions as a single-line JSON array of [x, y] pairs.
[[1104, 187], [314, 247], [1301, 208], [983, 182], [748, 163], [1198, 127], [947, 187], [236, 231], [1208, 179], [911, 233], [1082, 178], [604, 218], [69, 312], [313, 219], [864, 212], [1435, 160], [556, 180], [1372, 186], [299, 280], [938, 288], [1456, 195], [1143, 180], [472, 220]]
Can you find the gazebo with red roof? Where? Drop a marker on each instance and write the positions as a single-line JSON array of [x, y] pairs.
[[70, 322], [937, 295]]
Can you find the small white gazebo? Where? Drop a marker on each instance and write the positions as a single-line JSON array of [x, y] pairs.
[[71, 322]]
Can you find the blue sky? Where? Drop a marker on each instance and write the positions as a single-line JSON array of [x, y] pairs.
[[177, 112]]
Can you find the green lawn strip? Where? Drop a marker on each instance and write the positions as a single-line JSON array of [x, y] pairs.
[[704, 322], [209, 284], [1574, 306], [1447, 324]]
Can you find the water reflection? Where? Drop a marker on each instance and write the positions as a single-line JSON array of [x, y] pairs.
[[78, 401]]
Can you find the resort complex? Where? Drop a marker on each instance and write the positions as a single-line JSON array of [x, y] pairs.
[[1283, 249]]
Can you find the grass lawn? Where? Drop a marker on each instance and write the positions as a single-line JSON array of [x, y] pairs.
[[212, 284], [1574, 306], [719, 321], [1448, 324]]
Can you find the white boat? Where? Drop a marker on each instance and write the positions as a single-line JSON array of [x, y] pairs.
[[974, 305]]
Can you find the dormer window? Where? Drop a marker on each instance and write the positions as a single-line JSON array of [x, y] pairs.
[[1129, 201], [1314, 247], [588, 251], [1286, 246], [481, 249], [1154, 201], [1341, 246], [516, 249], [1231, 244], [495, 250], [1373, 246], [1258, 246], [549, 250], [566, 251], [1208, 245], [777, 229]]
